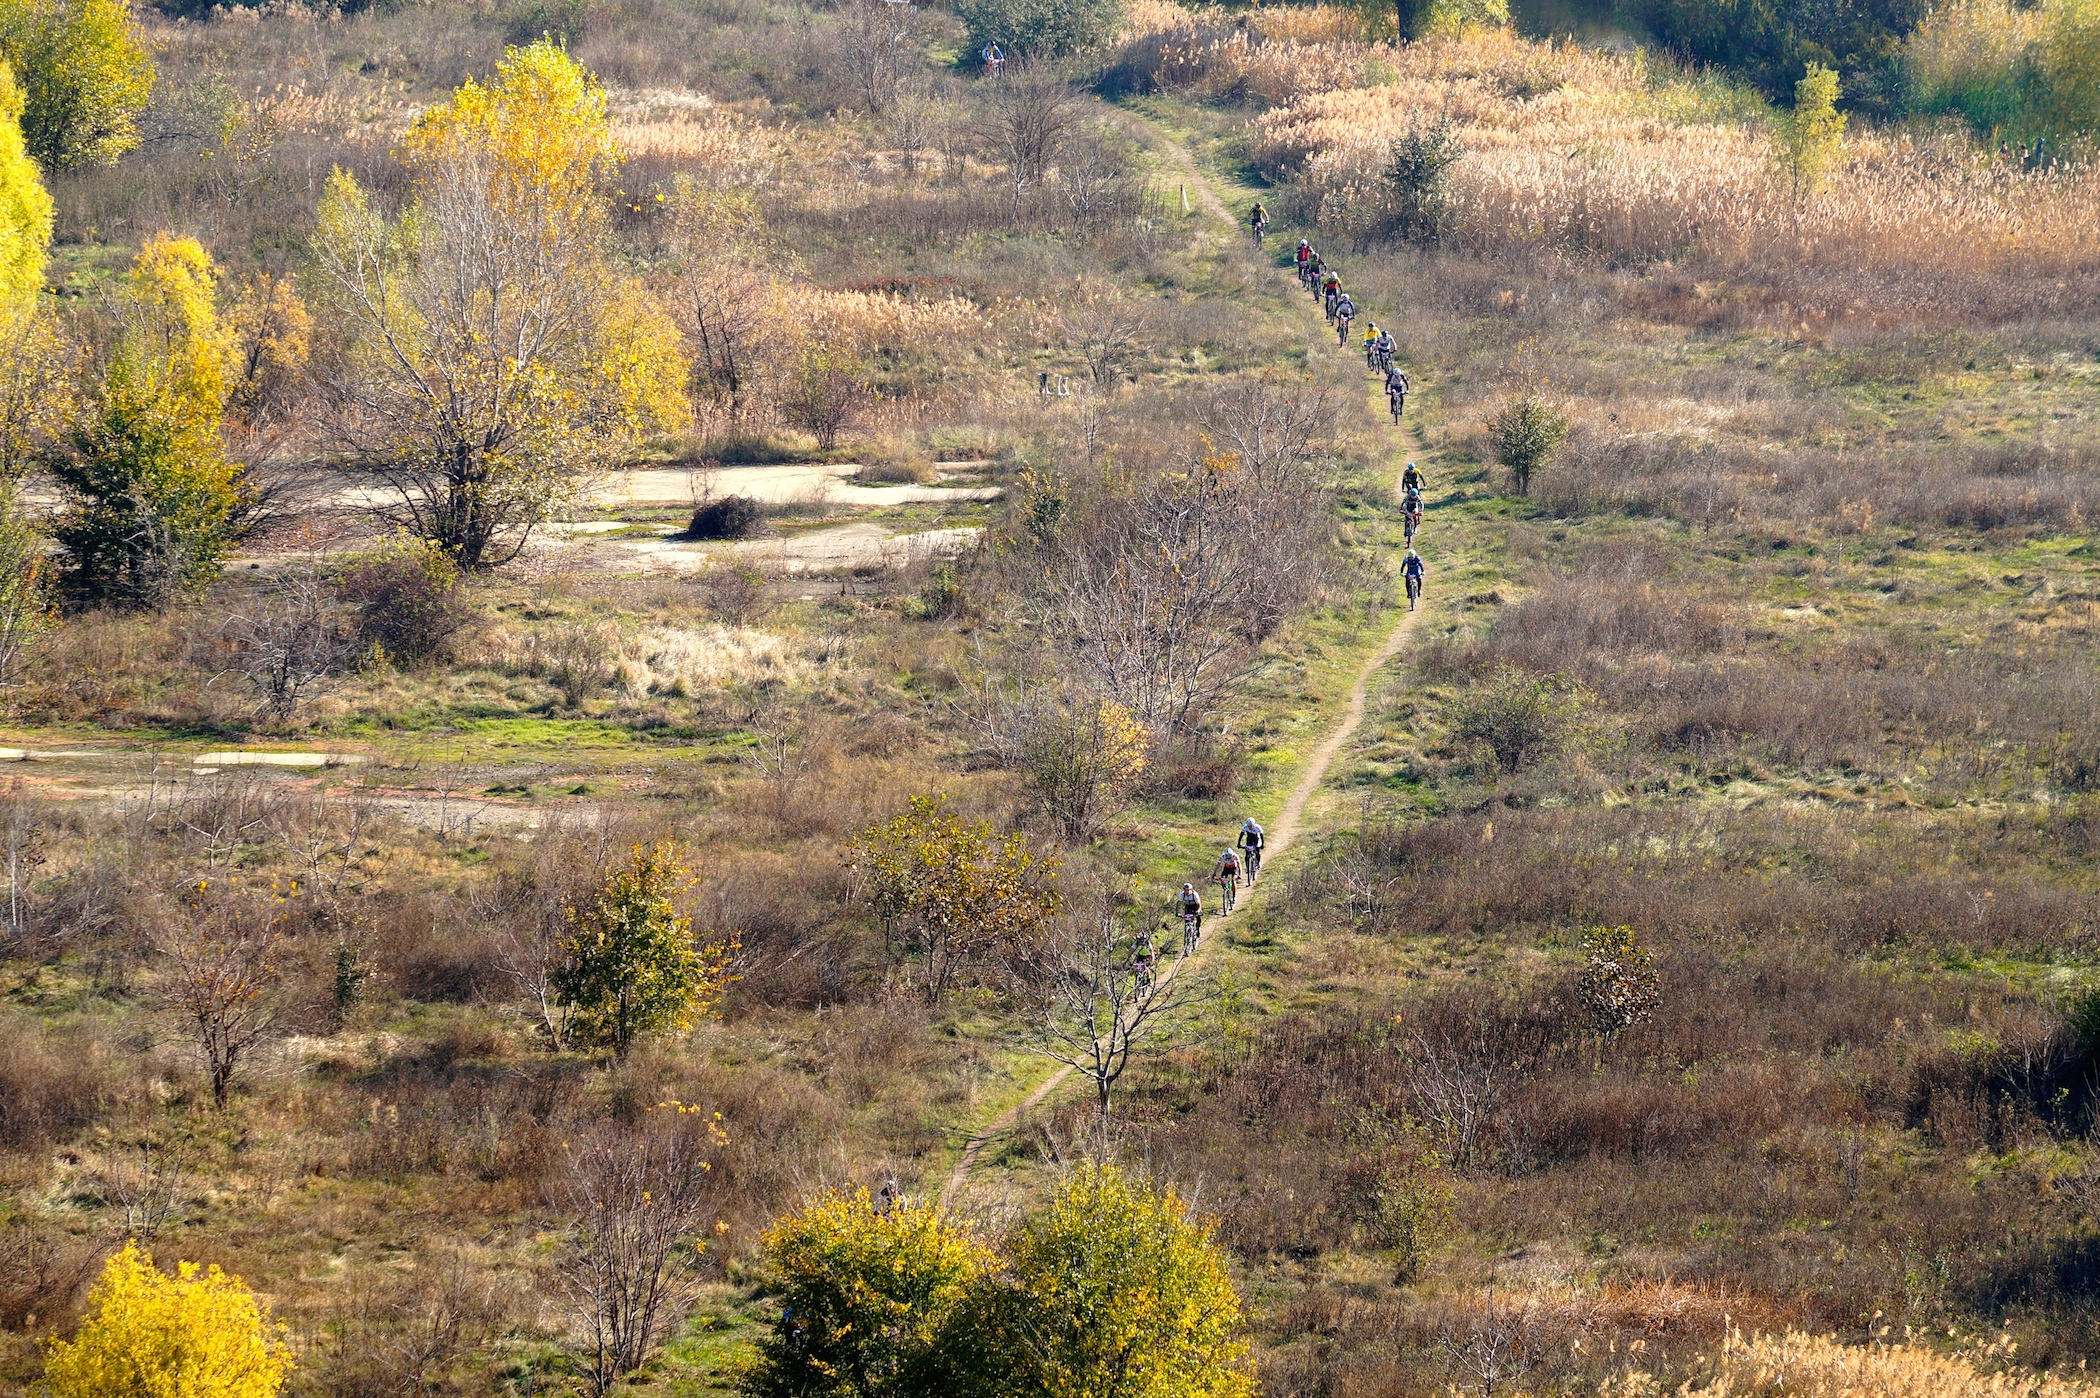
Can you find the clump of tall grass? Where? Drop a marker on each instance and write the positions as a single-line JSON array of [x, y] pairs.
[[2011, 70], [1820, 1366]]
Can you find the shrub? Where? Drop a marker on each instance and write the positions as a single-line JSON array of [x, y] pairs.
[[1527, 432], [25, 588], [1108, 1247], [1810, 136], [185, 1336], [632, 966], [954, 891], [868, 1295], [576, 657], [826, 390], [731, 517], [1521, 718], [1617, 985], [1040, 28], [410, 602]]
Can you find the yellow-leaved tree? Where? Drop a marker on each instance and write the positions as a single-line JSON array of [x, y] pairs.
[[86, 73], [32, 381], [192, 1335], [151, 495], [1810, 136], [491, 354]]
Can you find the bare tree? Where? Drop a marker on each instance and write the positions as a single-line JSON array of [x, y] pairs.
[[1027, 115], [879, 45], [145, 1181], [294, 637], [826, 390], [1084, 755], [1268, 424], [223, 977], [1460, 1068], [634, 1198], [916, 122], [721, 287], [1496, 1349], [1091, 1006], [1108, 329], [22, 840]]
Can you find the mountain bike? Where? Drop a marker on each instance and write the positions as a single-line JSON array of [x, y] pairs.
[[1229, 884], [1191, 931]]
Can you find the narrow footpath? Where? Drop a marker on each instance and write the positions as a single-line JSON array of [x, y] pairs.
[[1284, 829]]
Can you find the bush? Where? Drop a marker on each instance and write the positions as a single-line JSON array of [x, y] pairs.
[[1522, 718], [1527, 432], [868, 1296], [1040, 28], [1418, 176], [185, 1336], [731, 517], [410, 602]]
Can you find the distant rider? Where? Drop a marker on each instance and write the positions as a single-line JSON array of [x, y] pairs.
[[1251, 842]]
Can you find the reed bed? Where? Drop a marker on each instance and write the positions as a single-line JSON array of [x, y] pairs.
[[1599, 155], [1820, 1366]]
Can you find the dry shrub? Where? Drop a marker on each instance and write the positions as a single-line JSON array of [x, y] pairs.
[[49, 1088]]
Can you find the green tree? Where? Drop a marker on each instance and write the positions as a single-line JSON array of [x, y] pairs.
[[1121, 1294], [868, 1299], [1811, 135], [491, 352], [85, 73], [1418, 177], [632, 965], [1526, 433], [1040, 28], [826, 389], [953, 890], [151, 494], [26, 578], [156, 1336]]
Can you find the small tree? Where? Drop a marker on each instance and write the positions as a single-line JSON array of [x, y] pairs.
[[722, 289], [1522, 718], [880, 46], [1027, 116], [1122, 1292], [826, 390], [635, 1198], [25, 211], [185, 1336], [1810, 137], [956, 893], [632, 965], [1087, 1007], [152, 495], [1527, 432], [223, 951], [1417, 179], [867, 1295], [26, 577], [1108, 330], [409, 603], [1617, 984], [86, 76], [288, 642]]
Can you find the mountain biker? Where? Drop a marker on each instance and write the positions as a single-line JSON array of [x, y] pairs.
[[1411, 570], [1313, 269], [1258, 220], [1252, 840], [1412, 480], [1385, 350], [1396, 392], [1370, 343], [994, 56], [1330, 292], [890, 1197], [1344, 312], [1304, 251], [1192, 904], [1226, 874]]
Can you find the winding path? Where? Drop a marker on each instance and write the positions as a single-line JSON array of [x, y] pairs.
[[1284, 829]]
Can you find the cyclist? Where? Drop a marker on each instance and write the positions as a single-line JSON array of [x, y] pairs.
[[1411, 570], [1411, 513], [1258, 221], [1330, 292], [1344, 312], [1371, 333], [1250, 842], [994, 57], [1412, 480], [1191, 914], [1314, 268], [1396, 392], [1226, 873], [1385, 351], [1305, 253], [890, 1197], [1141, 961]]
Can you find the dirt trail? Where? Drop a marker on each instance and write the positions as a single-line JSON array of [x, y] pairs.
[[1284, 829]]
